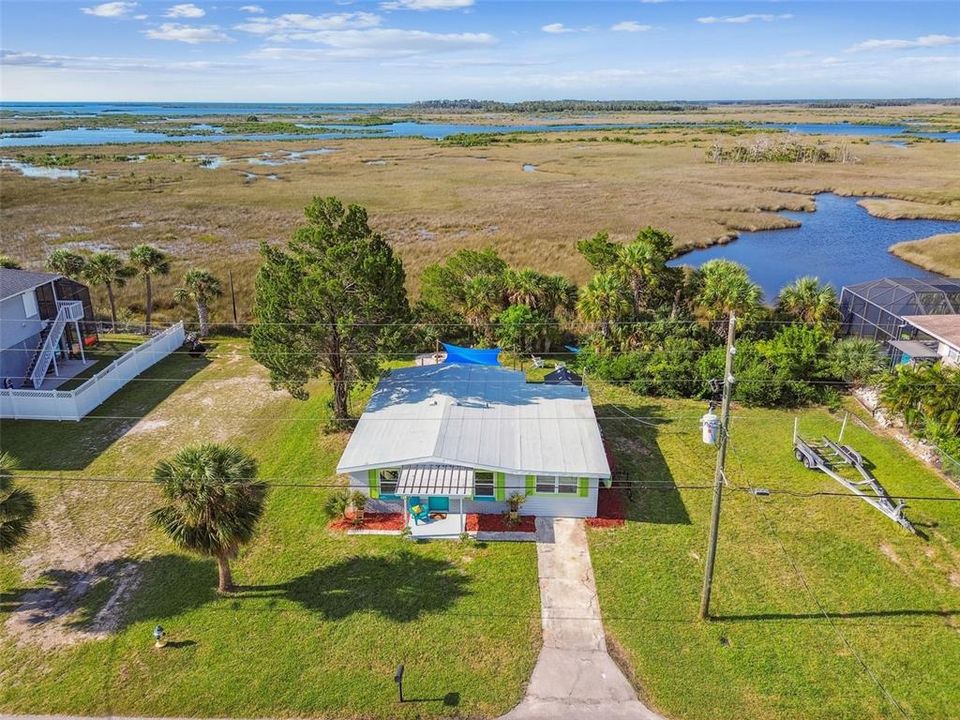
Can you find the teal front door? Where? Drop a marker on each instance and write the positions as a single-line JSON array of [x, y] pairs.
[[438, 504]]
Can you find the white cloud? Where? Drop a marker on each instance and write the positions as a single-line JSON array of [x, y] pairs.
[[557, 29], [741, 19], [185, 10], [290, 25], [253, 9], [925, 41], [100, 64], [110, 9], [630, 26], [426, 4], [139, 17], [190, 34], [377, 43]]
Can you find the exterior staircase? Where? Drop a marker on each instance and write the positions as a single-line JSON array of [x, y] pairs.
[[49, 340]]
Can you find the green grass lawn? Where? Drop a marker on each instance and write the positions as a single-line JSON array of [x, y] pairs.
[[103, 353], [770, 653], [322, 620]]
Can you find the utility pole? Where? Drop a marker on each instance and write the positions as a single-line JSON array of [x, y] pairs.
[[718, 477], [233, 301]]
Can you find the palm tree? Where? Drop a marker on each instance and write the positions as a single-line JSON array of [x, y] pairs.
[[9, 263], [201, 286], [638, 263], [857, 360], [214, 502], [149, 261], [604, 300], [66, 263], [17, 507], [810, 302], [526, 287], [107, 270], [724, 287], [483, 299]]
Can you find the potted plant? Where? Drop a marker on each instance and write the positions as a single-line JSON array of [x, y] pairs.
[[513, 507]]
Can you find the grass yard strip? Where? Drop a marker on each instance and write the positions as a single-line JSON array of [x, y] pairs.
[[322, 619], [770, 653]]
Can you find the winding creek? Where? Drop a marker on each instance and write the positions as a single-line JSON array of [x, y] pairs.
[[840, 243]]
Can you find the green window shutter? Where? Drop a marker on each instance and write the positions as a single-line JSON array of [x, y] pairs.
[[531, 484], [583, 487], [373, 480], [500, 486]]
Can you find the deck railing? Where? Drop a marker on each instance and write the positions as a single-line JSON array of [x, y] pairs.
[[26, 404]]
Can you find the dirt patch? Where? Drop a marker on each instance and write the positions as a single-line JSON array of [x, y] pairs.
[[891, 554]]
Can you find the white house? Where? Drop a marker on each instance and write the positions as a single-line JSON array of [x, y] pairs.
[[41, 327], [46, 324], [462, 438], [942, 330]]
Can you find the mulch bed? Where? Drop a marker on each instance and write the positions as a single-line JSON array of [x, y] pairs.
[[611, 509], [495, 522], [371, 521]]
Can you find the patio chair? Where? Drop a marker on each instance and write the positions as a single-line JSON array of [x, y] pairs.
[[418, 510], [537, 361]]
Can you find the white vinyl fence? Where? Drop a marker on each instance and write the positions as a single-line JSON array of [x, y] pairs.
[[25, 404]]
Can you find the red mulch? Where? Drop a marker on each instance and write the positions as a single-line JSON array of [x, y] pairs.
[[371, 521], [611, 509], [495, 522]]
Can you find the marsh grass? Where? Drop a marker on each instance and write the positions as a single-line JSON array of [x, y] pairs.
[[430, 199]]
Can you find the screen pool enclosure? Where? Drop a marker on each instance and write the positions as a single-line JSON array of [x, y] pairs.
[[876, 309]]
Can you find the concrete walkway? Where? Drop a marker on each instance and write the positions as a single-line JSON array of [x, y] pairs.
[[575, 678]]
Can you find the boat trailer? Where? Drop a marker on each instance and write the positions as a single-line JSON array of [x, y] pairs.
[[833, 459]]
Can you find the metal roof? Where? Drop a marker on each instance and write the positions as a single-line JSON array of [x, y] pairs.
[[477, 416], [945, 328], [435, 480], [13, 282]]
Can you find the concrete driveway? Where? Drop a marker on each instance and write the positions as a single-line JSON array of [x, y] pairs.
[[575, 678]]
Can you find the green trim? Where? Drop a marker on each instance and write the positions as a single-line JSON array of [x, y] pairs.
[[583, 487], [373, 482], [500, 486], [531, 484]]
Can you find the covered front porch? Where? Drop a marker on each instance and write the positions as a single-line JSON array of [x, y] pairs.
[[433, 498]]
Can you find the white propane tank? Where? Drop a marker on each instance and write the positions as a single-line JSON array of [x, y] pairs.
[[710, 424]]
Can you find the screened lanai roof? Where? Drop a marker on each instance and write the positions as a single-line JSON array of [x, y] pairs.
[[476, 416], [911, 296]]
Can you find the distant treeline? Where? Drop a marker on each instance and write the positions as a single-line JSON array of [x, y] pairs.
[[530, 106]]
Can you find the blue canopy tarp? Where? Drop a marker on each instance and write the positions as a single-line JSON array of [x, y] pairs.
[[471, 356]]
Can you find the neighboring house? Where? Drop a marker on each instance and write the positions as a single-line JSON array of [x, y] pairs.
[[881, 309], [462, 438], [940, 332], [46, 321], [41, 325]]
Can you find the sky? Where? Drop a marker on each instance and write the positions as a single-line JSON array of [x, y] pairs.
[[405, 50]]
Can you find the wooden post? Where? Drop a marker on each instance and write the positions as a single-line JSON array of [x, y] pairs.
[[233, 301]]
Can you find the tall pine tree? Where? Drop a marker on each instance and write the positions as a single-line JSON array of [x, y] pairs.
[[329, 304]]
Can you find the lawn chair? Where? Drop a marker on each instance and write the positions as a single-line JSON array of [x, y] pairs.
[[418, 510], [537, 361]]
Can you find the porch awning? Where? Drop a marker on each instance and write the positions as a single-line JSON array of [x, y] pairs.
[[450, 480], [914, 349]]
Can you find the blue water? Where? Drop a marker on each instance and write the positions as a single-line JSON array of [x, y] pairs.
[[435, 131], [91, 109], [840, 243]]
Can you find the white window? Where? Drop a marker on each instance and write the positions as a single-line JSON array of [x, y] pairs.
[[483, 484], [389, 479], [29, 304], [556, 485]]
